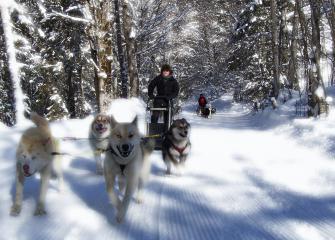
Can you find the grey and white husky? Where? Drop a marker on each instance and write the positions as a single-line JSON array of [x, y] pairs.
[[98, 137], [176, 144], [126, 159]]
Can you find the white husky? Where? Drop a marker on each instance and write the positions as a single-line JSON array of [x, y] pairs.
[[36, 153], [127, 159]]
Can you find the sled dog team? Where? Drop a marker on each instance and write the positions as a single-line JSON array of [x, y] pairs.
[[126, 161]]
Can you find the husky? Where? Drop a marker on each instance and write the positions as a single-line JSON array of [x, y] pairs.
[[127, 159], [36, 152], [98, 138], [176, 144]]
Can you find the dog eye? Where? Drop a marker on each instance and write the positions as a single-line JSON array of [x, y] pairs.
[[131, 135], [118, 136]]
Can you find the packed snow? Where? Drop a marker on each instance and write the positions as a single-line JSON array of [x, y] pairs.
[[262, 175]]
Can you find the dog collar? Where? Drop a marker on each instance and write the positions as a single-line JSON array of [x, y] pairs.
[[122, 168]]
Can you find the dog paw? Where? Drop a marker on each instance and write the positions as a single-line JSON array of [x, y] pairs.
[[61, 187], [15, 210], [40, 210], [139, 200], [120, 216], [168, 172]]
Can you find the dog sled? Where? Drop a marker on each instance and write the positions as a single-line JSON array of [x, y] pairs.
[[206, 112], [156, 130]]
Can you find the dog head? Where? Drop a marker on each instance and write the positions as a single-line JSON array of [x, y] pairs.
[[124, 138], [180, 129], [101, 125], [33, 154]]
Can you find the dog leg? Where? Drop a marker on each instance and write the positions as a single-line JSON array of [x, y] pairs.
[[98, 161], [168, 166], [16, 207], [122, 183], [57, 168], [139, 198], [45, 176], [181, 169], [145, 173], [130, 189], [110, 182]]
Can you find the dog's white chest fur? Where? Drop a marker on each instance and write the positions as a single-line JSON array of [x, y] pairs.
[[103, 144]]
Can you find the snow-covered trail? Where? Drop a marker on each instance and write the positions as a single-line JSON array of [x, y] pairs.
[[241, 182]]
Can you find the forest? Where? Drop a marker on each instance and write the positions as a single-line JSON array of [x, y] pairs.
[[73, 57]]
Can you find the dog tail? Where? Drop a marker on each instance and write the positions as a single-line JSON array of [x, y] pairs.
[[39, 121]]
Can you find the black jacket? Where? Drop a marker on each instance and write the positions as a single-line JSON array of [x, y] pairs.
[[167, 87]]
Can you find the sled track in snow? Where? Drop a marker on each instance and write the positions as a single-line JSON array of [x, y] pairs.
[[225, 193]]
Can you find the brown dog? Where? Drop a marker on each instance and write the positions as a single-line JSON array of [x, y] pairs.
[[98, 138]]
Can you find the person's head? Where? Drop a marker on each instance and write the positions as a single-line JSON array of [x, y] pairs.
[[201, 95], [166, 70]]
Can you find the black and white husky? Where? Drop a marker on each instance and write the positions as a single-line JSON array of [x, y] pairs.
[[176, 144]]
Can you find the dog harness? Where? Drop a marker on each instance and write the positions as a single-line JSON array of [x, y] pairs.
[[178, 149], [122, 166]]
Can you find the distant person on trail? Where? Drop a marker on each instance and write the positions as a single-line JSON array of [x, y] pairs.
[[167, 87], [202, 103]]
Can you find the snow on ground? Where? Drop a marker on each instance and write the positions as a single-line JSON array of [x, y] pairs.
[[245, 179]]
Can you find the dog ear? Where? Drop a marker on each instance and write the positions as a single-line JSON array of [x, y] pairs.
[[113, 122], [134, 122], [185, 121]]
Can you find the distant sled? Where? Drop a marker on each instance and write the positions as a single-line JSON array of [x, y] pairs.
[[206, 112]]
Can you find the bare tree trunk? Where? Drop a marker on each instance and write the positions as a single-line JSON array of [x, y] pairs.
[[316, 39], [129, 35], [275, 49], [282, 47], [315, 57], [123, 71], [101, 51], [7, 99], [293, 65], [12, 65], [304, 31], [70, 98], [331, 20]]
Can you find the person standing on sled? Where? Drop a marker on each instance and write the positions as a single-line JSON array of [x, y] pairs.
[[167, 88], [202, 103]]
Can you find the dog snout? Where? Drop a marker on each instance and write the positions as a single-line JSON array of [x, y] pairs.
[[125, 147], [186, 132], [100, 125], [26, 168]]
